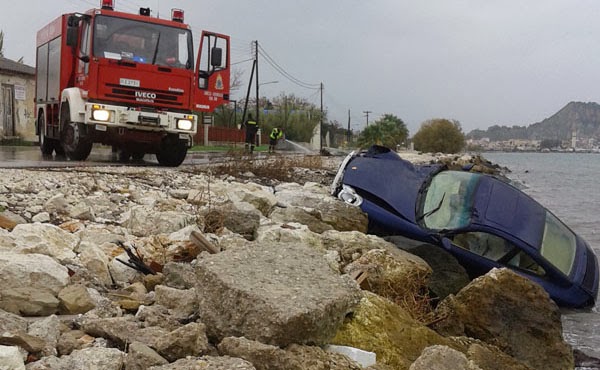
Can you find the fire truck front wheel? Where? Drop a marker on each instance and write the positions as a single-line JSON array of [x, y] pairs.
[[74, 140], [172, 151]]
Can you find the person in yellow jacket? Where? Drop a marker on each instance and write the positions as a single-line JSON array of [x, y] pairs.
[[275, 135]]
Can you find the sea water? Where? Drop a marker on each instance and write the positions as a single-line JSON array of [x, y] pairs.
[[568, 184]]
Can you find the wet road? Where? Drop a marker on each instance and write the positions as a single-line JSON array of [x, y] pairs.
[[27, 157]]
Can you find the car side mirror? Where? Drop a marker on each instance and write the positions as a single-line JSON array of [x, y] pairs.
[[72, 31]]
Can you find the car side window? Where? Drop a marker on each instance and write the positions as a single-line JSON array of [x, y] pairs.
[[497, 249]]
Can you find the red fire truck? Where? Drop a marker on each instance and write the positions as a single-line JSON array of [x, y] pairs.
[[126, 80]]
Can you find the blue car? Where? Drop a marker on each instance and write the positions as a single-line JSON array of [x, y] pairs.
[[482, 220]]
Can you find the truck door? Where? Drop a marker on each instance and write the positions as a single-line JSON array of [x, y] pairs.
[[212, 72]]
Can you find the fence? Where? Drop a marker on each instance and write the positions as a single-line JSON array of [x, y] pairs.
[[224, 135]]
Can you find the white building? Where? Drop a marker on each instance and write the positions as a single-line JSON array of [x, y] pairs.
[[17, 88]]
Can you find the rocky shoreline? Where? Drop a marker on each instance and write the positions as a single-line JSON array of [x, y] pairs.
[[244, 272]]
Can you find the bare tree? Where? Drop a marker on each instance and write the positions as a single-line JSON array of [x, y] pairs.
[[1, 43]]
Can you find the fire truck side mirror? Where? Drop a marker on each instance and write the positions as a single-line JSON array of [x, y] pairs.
[[72, 31], [216, 57]]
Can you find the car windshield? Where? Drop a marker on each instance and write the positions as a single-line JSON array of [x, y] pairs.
[[447, 201], [141, 42], [558, 244]]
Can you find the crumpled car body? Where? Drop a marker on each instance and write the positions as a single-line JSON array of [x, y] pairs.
[[482, 220]]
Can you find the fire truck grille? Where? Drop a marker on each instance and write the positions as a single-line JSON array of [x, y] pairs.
[[146, 96]]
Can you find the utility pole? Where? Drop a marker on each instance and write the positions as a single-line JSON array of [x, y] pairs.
[[348, 133], [366, 112], [321, 127], [257, 84]]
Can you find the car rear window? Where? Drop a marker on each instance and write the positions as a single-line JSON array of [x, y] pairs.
[[558, 244]]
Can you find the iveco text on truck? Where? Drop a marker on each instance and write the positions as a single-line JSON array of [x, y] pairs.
[[126, 80]]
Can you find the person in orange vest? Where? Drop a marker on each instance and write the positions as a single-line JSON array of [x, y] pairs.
[[275, 135], [251, 127]]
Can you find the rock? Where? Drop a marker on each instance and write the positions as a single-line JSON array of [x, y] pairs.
[[141, 357], [120, 330], [378, 325], [241, 218], [179, 275], [144, 220], [45, 239], [32, 282], [82, 211], [189, 340], [10, 358], [351, 245], [57, 204], [96, 262], [296, 214], [48, 329], [274, 293], [75, 299], [157, 315], [28, 342], [512, 313], [11, 323], [41, 217], [69, 341], [294, 357], [29, 301], [339, 215], [442, 358], [207, 363], [183, 303], [260, 197], [88, 358]]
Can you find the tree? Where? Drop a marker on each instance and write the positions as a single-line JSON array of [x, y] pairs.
[[388, 131], [440, 135]]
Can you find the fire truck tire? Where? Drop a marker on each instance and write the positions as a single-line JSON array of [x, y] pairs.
[[47, 145], [172, 151], [74, 141]]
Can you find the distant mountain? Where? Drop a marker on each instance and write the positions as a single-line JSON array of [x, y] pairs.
[[584, 117]]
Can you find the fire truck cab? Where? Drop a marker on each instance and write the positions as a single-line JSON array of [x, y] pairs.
[[126, 80]]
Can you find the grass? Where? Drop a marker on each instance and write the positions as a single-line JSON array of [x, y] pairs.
[[276, 167]]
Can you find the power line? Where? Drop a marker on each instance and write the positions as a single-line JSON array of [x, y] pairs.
[[283, 72]]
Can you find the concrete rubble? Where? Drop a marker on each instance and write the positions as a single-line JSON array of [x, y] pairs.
[[243, 276]]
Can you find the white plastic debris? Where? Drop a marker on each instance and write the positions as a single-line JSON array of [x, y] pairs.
[[364, 358]]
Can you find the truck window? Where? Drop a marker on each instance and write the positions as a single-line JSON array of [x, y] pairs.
[[142, 42]]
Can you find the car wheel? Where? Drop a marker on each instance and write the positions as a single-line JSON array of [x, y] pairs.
[[47, 146]]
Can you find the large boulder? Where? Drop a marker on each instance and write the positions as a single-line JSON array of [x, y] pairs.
[[310, 218], [514, 314], [274, 293], [378, 325]]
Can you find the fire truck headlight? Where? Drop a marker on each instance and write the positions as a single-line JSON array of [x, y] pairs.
[[184, 124], [101, 115]]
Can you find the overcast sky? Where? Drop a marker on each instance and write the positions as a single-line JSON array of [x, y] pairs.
[[481, 62]]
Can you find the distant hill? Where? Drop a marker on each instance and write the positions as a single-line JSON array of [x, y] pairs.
[[584, 117]]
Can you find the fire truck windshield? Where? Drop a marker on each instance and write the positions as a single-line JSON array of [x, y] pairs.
[[141, 42]]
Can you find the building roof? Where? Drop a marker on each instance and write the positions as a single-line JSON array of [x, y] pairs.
[[10, 66]]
